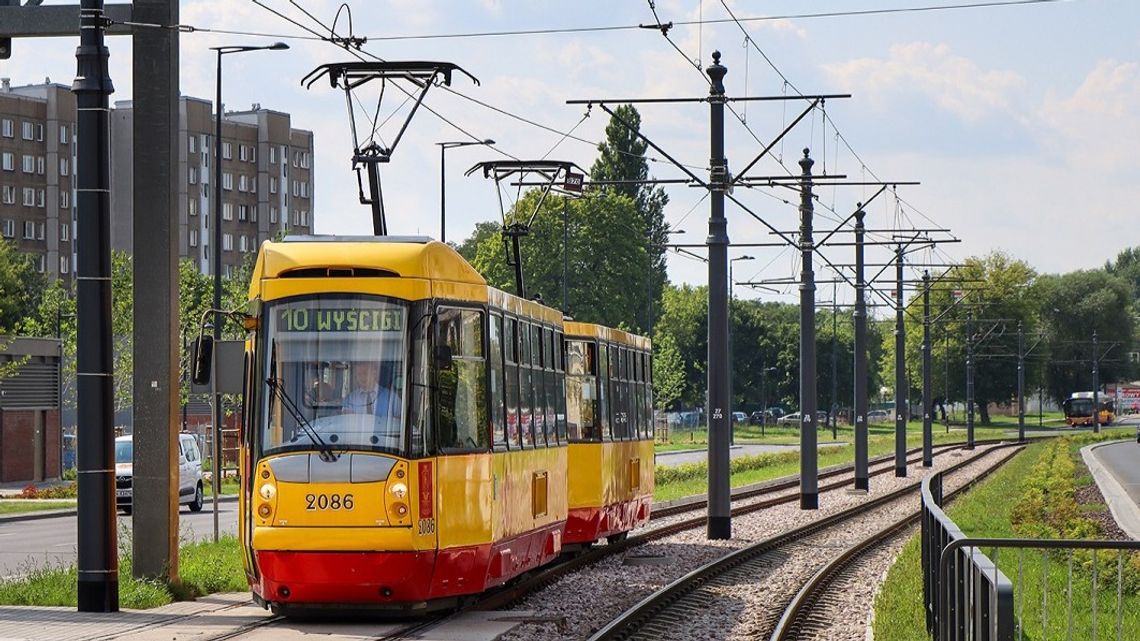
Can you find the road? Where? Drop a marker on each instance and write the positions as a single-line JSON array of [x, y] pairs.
[[670, 459], [1121, 459], [25, 545]]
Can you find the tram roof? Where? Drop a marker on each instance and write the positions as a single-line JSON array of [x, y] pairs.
[[601, 332], [402, 256]]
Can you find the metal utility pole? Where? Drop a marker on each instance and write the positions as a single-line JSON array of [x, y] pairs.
[[98, 561], [900, 369], [719, 524], [862, 478], [566, 257], [969, 381], [443, 147], [927, 374], [1096, 386], [1020, 382], [833, 415], [809, 456]]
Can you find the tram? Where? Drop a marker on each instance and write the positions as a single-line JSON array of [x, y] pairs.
[[1078, 409], [405, 439]]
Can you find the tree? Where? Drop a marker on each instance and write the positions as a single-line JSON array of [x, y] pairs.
[[20, 287], [483, 230], [621, 157], [668, 373], [54, 315]]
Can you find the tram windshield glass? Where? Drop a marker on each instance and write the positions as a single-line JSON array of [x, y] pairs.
[[333, 374]]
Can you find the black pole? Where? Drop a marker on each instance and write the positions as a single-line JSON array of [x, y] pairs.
[[834, 366], [809, 456], [927, 373], [98, 562], [731, 365], [763, 399], [216, 409], [1096, 386], [862, 478], [969, 382], [442, 196], [1020, 382], [720, 501], [566, 261], [900, 369]]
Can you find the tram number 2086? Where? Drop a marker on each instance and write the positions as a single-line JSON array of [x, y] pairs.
[[315, 502]]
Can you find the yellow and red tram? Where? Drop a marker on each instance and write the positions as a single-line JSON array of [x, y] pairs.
[[405, 440], [610, 419]]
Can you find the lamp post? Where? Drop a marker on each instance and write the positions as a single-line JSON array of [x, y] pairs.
[[731, 353], [443, 147], [216, 262], [764, 397]]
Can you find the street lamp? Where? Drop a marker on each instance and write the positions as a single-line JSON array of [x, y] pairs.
[[443, 147], [731, 353], [764, 398], [217, 257]]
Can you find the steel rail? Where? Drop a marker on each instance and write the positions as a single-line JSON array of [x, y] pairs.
[[628, 623], [799, 612]]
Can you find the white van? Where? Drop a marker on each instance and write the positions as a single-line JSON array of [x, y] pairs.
[[189, 472]]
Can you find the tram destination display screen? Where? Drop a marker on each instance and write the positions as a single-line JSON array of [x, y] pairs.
[[340, 319]]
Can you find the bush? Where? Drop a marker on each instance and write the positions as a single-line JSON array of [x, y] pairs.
[[65, 491]]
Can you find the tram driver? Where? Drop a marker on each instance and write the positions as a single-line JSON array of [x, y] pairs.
[[373, 391]]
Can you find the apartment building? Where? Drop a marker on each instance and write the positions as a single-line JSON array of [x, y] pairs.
[[267, 181], [37, 169]]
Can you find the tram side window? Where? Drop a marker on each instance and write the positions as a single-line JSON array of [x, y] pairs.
[[538, 391], [462, 395], [621, 409], [551, 426], [604, 422], [560, 385], [526, 392], [511, 356], [498, 405], [648, 370], [635, 404], [581, 396]]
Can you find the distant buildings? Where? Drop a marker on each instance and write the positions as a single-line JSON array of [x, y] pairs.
[[267, 177]]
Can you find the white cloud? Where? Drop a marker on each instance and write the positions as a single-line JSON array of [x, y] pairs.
[[1097, 127], [955, 83]]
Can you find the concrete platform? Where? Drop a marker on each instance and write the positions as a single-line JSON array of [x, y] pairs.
[[230, 616]]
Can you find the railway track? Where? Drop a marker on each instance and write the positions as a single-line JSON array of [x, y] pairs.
[[784, 560], [814, 609]]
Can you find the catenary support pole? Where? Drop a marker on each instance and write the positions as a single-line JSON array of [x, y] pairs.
[[566, 257], [1096, 386], [969, 381], [833, 415], [1020, 382], [809, 455], [900, 369], [927, 374], [215, 397], [719, 524], [154, 499], [862, 478], [98, 562]]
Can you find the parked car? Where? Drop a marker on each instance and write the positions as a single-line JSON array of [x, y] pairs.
[[772, 412], [189, 472], [790, 419], [878, 416], [739, 418]]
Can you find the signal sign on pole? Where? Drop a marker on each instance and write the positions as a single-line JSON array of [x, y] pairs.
[[573, 182]]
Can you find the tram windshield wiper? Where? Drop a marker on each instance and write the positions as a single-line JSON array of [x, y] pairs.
[[326, 453]]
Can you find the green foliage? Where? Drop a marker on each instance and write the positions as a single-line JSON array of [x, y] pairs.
[[208, 567], [20, 287], [63, 491], [668, 372], [689, 471], [1047, 506]]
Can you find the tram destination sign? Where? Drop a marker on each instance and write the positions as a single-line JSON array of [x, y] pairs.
[[340, 319]]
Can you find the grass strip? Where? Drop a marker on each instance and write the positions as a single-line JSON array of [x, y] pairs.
[[20, 506]]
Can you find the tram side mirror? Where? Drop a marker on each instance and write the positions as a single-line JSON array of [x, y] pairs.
[[443, 357], [203, 359]]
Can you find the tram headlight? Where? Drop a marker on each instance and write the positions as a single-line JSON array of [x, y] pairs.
[[399, 490], [267, 491]]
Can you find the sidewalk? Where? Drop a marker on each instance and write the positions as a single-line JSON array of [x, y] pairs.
[[224, 616]]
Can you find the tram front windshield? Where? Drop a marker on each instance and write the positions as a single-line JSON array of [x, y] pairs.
[[333, 375]]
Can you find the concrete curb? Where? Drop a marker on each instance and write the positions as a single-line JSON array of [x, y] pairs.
[[1123, 508], [51, 514]]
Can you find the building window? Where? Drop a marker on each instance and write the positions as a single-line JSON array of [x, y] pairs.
[[9, 195], [227, 242], [29, 230], [29, 197], [296, 188], [272, 185], [227, 151], [253, 184], [9, 228], [253, 154], [227, 211], [304, 218], [193, 205], [41, 164], [29, 130], [65, 232], [39, 133], [64, 166], [29, 164], [253, 214], [193, 237], [193, 174], [41, 261], [243, 155], [8, 128], [243, 212], [242, 243], [64, 264], [272, 215], [228, 181], [40, 198], [63, 137], [243, 183], [305, 160], [272, 155], [9, 161], [64, 199]]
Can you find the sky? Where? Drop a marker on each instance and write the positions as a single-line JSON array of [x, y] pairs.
[[1018, 121]]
